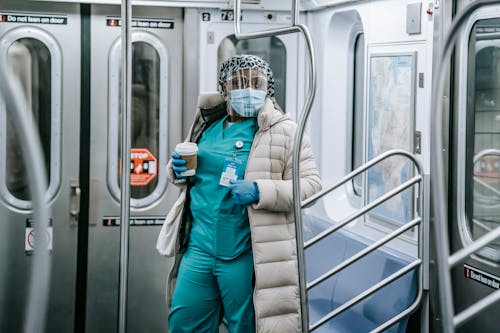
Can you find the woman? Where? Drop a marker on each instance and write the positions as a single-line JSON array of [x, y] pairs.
[[235, 254]]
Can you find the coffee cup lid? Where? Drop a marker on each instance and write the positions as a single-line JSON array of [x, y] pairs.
[[186, 148]]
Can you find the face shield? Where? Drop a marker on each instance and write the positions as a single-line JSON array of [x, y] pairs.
[[245, 79], [246, 90]]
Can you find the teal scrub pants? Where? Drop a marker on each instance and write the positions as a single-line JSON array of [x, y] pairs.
[[205, 287]]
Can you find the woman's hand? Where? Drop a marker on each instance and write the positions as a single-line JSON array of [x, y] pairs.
[[178, 165], [244, 192]]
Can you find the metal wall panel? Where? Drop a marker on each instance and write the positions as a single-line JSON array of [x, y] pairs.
[[58, 28], [147, 309]]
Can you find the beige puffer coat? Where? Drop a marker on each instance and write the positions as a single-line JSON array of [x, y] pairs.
[[276, 295]]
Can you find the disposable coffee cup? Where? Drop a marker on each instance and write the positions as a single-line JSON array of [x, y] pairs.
[[188, 152]]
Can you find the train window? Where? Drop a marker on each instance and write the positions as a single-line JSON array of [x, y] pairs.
[[145, 108], [357, 110], [149, 118], [482, 149], [35, 58], [31, 62], [271, 49]]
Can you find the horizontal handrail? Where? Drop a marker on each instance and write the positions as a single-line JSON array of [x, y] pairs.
[[477, 158], [360, 170], [266, 33], [294, 27], [478, 244], [486, 185], [365, 252], [476, 308], [364, 210], [481, 225], [486, 152], [367, 293]]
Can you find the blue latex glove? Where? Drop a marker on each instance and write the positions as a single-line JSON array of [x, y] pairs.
[[244, 192], [178, 165]]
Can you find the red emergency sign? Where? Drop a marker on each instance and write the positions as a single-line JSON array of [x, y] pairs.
[[143, 167]]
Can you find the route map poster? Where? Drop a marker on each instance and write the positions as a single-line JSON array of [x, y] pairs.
[[390, 126]]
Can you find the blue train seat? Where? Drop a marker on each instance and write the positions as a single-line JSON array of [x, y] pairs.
[[353, 280]]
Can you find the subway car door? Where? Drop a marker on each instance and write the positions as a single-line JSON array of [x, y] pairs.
[[279, 51], [41, 45], [475, 204], [156, 128]]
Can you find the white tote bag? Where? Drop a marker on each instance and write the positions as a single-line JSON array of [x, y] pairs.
[[168, 233]]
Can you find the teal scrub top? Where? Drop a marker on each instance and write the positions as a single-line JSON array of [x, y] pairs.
[[220, 227]]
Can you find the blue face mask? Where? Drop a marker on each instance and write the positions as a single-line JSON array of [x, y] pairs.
[[247, 102]]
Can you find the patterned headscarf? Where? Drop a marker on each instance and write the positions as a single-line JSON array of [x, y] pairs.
[[244, 61]]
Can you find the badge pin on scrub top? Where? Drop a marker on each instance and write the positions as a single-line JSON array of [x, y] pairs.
[[231, 167]]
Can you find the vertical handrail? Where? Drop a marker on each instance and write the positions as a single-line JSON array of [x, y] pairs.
[[438, 183], [126, 42], [417, 220], [298, 137], [31, 149]]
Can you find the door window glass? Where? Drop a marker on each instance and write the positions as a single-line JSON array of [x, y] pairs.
[[482, 178], [270, 49], [31, 62], [357, 110], [145, 109]]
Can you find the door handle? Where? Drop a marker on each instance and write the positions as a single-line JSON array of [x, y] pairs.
[[74, 201]]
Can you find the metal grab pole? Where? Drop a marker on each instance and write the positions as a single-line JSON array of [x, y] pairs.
[[297, 209], [298, 139], [38, 294], [126, 18]]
